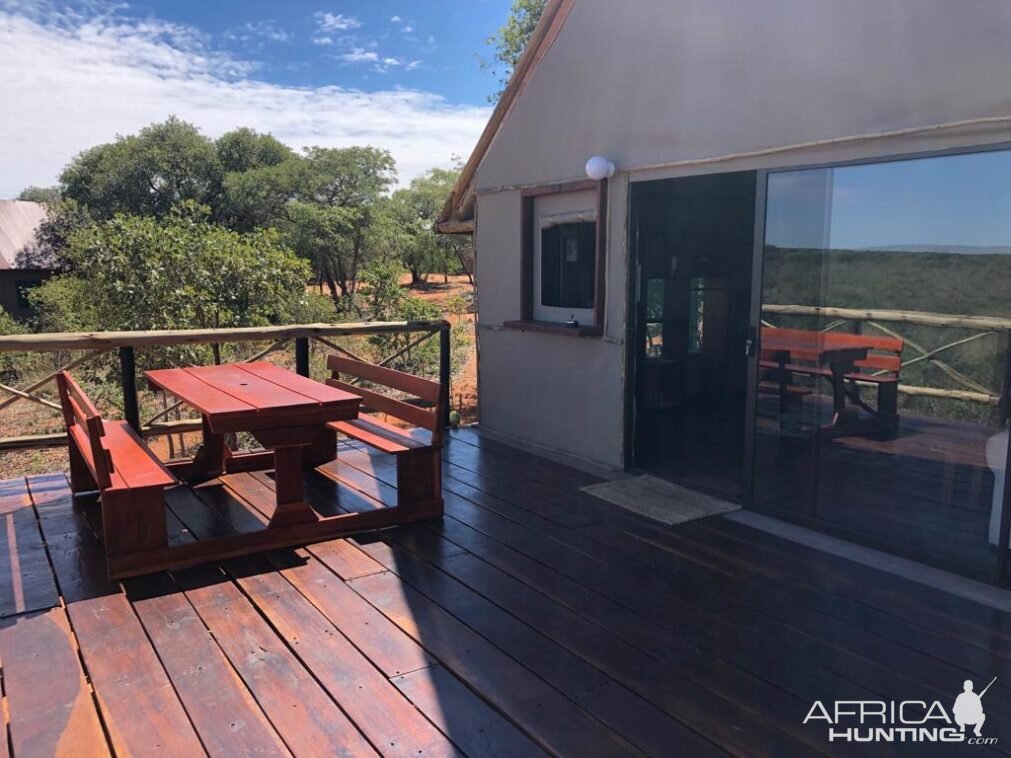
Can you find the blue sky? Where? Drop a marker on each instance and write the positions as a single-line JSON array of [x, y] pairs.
[[431, 45], [951, 200], [400, 75]]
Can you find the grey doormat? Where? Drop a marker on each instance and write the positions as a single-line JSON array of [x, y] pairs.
[[660, 500]]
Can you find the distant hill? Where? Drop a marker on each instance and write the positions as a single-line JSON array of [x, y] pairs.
[[953, 249]]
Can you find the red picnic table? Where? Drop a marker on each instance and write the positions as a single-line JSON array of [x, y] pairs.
[[789, 347], [285, 412]]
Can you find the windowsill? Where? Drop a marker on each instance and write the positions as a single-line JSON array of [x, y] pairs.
[[550, 327]]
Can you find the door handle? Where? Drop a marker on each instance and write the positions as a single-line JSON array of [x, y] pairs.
[[751, 343]]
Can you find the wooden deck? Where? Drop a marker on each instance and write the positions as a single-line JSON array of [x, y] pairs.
[[534, 619]]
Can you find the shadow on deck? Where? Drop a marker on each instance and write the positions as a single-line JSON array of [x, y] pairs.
[[533, 619]]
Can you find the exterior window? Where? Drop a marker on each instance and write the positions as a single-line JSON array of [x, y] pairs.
[[563, 259], [568, 266]]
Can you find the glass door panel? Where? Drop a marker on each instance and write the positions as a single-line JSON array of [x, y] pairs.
[[694, 252], [881, 394]]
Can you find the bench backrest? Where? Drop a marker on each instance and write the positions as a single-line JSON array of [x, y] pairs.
[[424, 389], [85, 427], [884, 353]]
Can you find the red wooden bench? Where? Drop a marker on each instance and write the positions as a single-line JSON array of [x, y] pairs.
[[110, 457], [881, 367], [418, 450]]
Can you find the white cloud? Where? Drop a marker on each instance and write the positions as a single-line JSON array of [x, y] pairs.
[[69, 83], [359, 55], [396, 20], [330, 22], [252, 32]]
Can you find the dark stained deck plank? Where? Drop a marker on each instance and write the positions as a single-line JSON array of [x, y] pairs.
[[866, 584], [444, 619], [933, 609], [546, 715], [307, 719], [537, 651], [472, 724], [13, 495], [849, 665], [224, 712], [140, 708], [390, 722], [26, 579], [693, 702], [505, 461], [49, 705], [389, 648], [670, 597], [933, 660]]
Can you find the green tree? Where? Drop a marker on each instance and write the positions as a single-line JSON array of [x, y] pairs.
[[146, 174], [8, 326], [177, 272], [244, 149], [44, 195], [511, 40], [259, 197], [331, 220], [414, 210], [259, 174]]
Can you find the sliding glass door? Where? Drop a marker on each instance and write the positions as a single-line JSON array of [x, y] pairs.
[[882, 378]]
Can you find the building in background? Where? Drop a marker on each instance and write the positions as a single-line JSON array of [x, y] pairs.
[[791, 287], [19, 221]]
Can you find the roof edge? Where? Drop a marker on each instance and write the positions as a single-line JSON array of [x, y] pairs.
[[458, 209]]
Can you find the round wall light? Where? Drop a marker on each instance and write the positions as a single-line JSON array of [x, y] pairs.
[[599, 168]]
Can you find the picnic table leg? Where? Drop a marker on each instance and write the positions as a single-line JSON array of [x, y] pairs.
[[838, 393], [323, 448], [291, 507], [210, 458]]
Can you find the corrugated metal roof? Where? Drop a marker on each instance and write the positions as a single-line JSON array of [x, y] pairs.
[[19, 219]]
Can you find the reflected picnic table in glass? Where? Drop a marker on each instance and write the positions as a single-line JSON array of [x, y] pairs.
[[285, 412], [791, 351]]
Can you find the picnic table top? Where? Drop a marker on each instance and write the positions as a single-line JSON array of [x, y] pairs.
[[818, 347], [251, 389]]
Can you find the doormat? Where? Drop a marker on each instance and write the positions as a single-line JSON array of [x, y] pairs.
[[660, 500]]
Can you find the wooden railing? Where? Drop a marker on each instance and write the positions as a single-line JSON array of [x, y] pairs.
[[88, 347], [887, 321]]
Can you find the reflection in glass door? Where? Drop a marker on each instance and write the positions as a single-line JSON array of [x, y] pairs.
[[881, 409]]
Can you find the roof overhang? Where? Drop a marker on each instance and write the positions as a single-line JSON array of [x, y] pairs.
[[457, 216]]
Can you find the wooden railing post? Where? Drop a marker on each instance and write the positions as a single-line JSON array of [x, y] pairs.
[[128, 379], [302, 356], [445, 370]]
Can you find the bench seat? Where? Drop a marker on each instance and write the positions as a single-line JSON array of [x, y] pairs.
[[381, 435], [417, 448], [109, 456], [824, 371]]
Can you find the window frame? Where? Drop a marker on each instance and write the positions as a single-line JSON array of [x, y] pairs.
[[530, 228]]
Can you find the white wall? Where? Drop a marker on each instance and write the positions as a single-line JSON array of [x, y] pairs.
[[657, 81], [560, 392], [653, 82]]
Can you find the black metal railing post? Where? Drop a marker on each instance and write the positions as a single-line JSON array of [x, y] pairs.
[[445, 369], [302, 356], [128, 380]]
